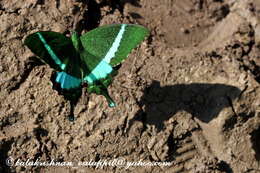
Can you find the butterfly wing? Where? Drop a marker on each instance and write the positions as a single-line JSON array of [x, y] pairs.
[[104, 48], [97, 75], [112, 43], [57, 50]]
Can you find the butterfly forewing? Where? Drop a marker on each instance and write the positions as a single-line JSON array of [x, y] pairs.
[[54, 49], [132, 36], [98, 41], [112, 43]]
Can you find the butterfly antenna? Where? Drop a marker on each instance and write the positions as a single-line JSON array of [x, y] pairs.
[[71, 116]]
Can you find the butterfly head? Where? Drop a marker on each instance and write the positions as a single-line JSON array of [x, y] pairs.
[[84, 84]]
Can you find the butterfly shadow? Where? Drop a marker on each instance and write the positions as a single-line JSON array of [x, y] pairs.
[[204, 101]]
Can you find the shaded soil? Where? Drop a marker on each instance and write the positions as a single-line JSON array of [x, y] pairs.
[[189, 94]]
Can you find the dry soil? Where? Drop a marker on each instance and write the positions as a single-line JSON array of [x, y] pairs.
[[189, 94]]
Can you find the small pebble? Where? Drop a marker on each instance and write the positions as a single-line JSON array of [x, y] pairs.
[[185, 30]]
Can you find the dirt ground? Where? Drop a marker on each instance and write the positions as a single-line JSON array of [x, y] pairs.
[[188, 95]]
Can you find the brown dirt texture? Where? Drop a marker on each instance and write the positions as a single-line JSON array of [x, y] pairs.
[[189, 95]]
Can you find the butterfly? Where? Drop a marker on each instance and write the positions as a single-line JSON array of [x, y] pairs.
[[89, 59]]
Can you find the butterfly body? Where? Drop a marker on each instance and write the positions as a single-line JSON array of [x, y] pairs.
[[89, 58]]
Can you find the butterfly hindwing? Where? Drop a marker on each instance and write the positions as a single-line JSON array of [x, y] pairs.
[[94, 68], [112, 43]]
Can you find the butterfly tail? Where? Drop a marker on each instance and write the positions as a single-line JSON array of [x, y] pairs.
[[67, 81], [102, 91], [110, 101]]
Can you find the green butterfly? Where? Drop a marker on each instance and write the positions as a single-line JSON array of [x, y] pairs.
[[90, 58]]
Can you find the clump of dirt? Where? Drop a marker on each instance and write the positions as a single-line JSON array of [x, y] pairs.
[[188, 95]]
